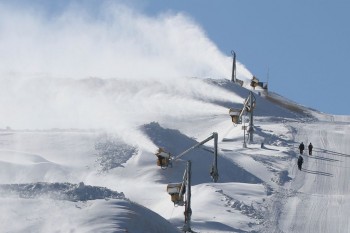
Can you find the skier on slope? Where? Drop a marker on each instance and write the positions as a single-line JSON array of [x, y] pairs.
[[301, 147], [300, 162], [310, 148]]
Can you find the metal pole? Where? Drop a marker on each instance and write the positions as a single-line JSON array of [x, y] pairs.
[[193, 147], [215, 172], [244, 142], [233, 78], [188, 211], [251, 130]]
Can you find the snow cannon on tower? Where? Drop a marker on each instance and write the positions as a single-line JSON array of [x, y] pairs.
[[235, 115], [163, 158], [176, 191], [181, 196], [248, 107], [255, 82]]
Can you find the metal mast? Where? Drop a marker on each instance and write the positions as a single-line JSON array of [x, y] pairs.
[[233, 79], [251, 124], [214, 173], [244, 128], [188, 210]]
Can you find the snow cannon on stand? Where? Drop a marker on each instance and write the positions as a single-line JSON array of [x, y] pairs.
[[249, 103], [262, 86], [235, 115], [255, 82], [164, 158], [176, 191], [181, 195], [248, 107]]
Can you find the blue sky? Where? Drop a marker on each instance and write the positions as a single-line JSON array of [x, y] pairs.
[[302, 45]]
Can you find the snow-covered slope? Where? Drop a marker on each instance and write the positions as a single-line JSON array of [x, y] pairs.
[[64, 207], [104, 133]]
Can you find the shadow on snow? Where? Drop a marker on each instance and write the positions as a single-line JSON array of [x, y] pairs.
[[323, 158], [174, 142], [317, 172], [331, 152]]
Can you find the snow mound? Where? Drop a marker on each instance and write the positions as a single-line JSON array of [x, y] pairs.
[[107, 211], [59, 191], [23, 158], [25, 167]]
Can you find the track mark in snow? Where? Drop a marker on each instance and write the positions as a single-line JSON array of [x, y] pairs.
[[318, 201], [248, 210]]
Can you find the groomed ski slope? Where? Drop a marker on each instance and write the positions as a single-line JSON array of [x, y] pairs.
[[317, 198]]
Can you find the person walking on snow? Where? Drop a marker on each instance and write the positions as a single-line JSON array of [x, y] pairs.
[[310, 148], [301, 147], [300, 162]]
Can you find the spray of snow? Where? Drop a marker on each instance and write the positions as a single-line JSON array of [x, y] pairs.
[[143, 64], [116, 42]]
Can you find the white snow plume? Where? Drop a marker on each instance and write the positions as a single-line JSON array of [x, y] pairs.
[[109, 41], [143, 64], [116, 105]]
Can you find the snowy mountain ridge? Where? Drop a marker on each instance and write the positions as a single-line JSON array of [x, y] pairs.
[[118, 126]]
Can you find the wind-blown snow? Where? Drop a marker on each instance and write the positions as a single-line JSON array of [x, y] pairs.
[[87, 100], [259, 188], [108, 41]]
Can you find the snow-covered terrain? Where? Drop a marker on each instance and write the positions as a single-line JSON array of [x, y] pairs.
[[102, 175], [88, 96]]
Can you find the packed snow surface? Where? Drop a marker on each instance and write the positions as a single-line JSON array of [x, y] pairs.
[[100, 173]]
